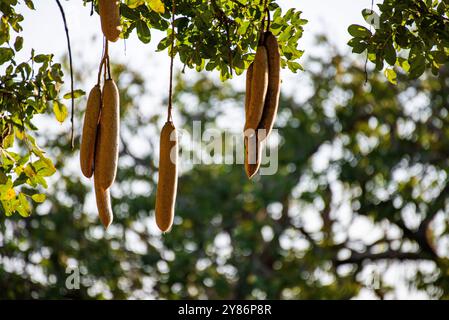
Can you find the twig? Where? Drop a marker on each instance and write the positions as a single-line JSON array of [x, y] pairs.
[[139, 161], [358, 258], [61, 9], [231, 64], [366, 59], [172, 57], [222, 17]]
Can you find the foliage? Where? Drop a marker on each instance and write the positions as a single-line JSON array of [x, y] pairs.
[[212, 37], [215, 35], [409, 35], [351, 155], [26, 88]]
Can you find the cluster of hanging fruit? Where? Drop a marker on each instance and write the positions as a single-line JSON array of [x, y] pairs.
[[263, 88], [100, 140]]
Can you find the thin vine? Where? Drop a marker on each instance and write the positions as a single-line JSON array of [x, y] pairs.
[[72, 120]]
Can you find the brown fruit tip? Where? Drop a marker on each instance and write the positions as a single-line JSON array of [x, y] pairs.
[[164, 228], [251, 170], [106, 222]]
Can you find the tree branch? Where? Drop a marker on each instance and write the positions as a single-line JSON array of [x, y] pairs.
[[142, 162], [359, 258]]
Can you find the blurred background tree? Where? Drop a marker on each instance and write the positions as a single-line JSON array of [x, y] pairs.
[[360, 192]]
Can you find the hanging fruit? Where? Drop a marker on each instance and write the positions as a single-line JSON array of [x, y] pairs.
[[89, 137], [99, 147], [110, 19], [168, 159], [259, 86], [168, 177], [106, 156], [263, 87], [274, 84]]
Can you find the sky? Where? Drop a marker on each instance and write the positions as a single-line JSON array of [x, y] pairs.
[[43, 31]]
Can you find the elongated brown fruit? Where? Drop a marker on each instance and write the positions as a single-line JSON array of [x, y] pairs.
[[259, 87], [106, 154], [91, 118], [249, 78], [168, 177], [103, 204], [110, 19], [274, 84], [253, 155]]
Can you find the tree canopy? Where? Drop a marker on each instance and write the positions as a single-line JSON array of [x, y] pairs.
[[410, 35], [382, 139], [329, 231]]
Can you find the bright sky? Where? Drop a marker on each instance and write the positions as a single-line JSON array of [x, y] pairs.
[[43, 31]]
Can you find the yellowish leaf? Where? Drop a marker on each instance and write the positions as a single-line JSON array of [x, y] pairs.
[[134, 3], [10, 194], [39, 198], [19, 134], [60, 111], [29, 171], [156, 5]]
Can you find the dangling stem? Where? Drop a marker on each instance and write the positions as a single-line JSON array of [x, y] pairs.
[[105, 73], [61, 9], [172, 57], [231, 66], [268, 16], [264, 17], [106, 56], [102, 62], [366, 59], [100, 70]]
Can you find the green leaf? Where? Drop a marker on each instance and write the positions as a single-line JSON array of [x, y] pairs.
[[417, 66], [44, 167], [41, 58], [286, 34], [38, 197], [24, 206], [294, 66], [358, 45], [390, 53], [129, 13], [370, 16], [29, 4], [3, 177], [359, 31], [18, 44], [8, 141], [76, 94], [21, 179], [6, 54], [143, 32], [439, 56], [60, 111]]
